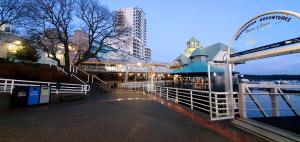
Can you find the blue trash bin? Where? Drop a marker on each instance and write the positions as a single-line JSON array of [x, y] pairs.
[[34, 95]]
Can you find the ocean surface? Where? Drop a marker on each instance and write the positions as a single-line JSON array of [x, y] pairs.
[[265, 102]]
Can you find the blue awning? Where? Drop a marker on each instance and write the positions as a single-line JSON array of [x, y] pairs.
[[197, 68]]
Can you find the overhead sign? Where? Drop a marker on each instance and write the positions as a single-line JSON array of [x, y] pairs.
[[266, 35], [267, 47]]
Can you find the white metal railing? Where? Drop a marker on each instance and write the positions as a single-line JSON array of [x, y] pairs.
[[94, 76], [74, 69], [59, 69], [72, 75], [269, 100], [7, 86], [217, 104], [125, 67], [140, 85]]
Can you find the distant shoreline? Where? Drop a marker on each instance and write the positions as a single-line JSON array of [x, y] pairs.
[[271, 77]]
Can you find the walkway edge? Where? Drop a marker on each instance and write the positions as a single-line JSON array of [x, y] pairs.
[[265, 131]]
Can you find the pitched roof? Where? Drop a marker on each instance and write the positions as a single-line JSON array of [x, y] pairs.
[[178, 58], [196, 67], [214, 49], [199, 52]]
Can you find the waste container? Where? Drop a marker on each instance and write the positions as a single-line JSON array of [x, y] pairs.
[[45, 95], [19, 97], [34, 95]]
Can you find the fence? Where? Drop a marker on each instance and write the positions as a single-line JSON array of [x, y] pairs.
[[145, 86], [265, 100], [7, 86], [217, 104]]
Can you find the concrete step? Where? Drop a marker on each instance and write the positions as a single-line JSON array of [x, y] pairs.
[[266, 131]]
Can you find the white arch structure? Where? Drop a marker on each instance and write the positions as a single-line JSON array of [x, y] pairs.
[[292, 48], [267, 53]]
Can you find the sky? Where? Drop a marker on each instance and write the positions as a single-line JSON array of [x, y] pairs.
[[171, 23]]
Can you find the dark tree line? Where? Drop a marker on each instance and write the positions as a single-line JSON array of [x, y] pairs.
[[271, 77]]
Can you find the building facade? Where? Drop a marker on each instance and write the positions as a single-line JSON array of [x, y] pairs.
[[148, 54], [134, 18], [195, 52]]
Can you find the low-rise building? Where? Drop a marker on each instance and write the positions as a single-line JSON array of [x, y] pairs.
[[196, 53]]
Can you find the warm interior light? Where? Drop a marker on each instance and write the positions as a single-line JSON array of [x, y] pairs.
[[15, 46], [17, 42]]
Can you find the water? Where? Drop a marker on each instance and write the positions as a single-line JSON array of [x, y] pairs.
[[265, 102]]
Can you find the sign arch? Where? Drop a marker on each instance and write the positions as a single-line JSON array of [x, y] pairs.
[[258, 24]]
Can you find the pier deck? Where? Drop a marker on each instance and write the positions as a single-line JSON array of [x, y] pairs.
[[288, 123], [121, 116]]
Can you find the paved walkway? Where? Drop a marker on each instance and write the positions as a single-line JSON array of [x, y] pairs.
[[120, 117]]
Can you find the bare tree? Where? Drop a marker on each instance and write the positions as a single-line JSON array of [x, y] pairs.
[[46, 41], [11, 11], [104, 33], [56, 16]]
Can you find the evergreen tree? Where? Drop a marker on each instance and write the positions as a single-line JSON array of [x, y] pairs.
[[28, 52]]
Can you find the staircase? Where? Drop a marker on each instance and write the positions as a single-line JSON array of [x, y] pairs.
[[95, 82]]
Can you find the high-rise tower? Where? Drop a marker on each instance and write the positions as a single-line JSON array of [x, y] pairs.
[[134, 17]]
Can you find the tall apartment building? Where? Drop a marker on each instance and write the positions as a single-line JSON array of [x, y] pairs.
[[148, 54], [134, 17]]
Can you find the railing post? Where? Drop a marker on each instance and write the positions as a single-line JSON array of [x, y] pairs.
[[12, 86], [167, 93], [274, 104], [143, 85], [160, 91], [176, 99], [216, 104], [85, 89], [192, 100], [5, 85], [242, 100]]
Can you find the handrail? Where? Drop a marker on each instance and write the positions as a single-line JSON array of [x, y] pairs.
[[77, 68], [217, 104], [279, 100], [78, 79], [82, 70], [60, 69], [29, 81], [94, 76], [9, 84]]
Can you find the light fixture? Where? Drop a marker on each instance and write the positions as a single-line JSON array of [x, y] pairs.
[[215, 74]]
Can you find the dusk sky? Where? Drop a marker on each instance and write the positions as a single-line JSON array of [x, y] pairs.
[[172, 22]]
